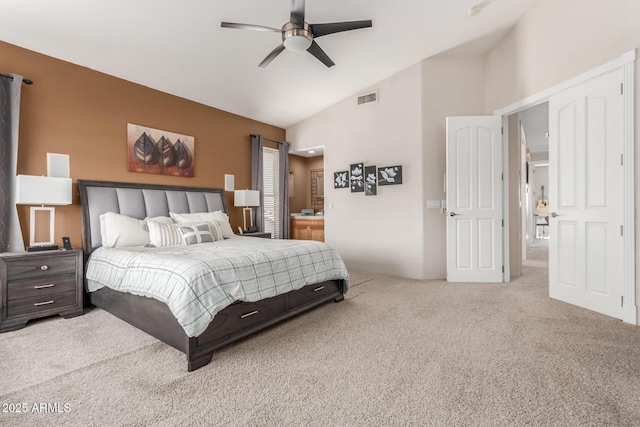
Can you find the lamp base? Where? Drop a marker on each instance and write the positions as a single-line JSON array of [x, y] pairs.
[[42, 248]]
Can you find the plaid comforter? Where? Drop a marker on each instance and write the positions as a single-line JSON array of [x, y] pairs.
[[198, 281]]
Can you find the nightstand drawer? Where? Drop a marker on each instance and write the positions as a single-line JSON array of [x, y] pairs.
[[41, 286], [40, 266], [41, 304]]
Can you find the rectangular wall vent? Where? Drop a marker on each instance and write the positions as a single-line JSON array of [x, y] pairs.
[[369, 97]]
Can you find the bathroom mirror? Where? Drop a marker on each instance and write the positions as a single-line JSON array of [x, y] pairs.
[[317, 189]]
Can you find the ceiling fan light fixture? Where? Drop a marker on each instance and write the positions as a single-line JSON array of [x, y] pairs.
[[296, 39]]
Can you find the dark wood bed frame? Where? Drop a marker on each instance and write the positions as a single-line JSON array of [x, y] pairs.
[[231, 324]]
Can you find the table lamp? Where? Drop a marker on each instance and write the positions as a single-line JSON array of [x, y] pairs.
[[248, 199], [42, 190]]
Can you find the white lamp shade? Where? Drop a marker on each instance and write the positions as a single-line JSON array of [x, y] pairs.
[[246, 198], [42, 190]]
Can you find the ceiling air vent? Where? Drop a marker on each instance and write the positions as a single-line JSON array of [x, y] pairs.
[[369, 97]]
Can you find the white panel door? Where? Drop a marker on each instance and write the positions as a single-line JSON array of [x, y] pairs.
[[586, 247], [474, 199]]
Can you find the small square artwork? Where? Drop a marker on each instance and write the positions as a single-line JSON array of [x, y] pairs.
[[356, 179], [157, 151], [341, 179], [370, 184], [390, 175]]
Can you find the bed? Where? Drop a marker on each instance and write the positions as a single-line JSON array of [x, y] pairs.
[[259, 296]]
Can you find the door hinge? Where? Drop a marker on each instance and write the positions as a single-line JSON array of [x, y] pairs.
[[503, 222], [621, 159], [622, 301], [621, 88], [502, 177], [622, 230], [503, 268], [502, 130]]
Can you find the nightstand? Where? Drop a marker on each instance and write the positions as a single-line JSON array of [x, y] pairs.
[[39, 284], [258, 234]]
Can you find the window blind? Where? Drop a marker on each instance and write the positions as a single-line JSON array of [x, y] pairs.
[[271, 196]]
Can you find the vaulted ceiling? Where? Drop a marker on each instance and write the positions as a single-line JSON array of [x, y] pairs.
[[179, 47]]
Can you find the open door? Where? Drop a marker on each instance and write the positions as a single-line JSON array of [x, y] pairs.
[[586, 249], [474, 199]]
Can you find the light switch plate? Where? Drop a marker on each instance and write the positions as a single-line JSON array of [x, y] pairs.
[[433, 204]]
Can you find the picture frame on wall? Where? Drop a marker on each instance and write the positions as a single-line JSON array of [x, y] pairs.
[[158, 151], [370, 181], [390, 175], [341, 179], [356, 178]]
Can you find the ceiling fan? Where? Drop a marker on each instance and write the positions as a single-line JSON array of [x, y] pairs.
[[298, 35]]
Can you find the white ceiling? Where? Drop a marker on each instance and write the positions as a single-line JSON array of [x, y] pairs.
[[178, 46]]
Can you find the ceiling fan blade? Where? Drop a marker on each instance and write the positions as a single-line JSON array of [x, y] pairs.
[[248, 27], [319, 30], [275, 52], [297, 13], [317, 51]]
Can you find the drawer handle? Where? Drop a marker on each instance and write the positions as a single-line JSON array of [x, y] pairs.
[[38, 304], [249, 314], [44, 267], [50, 285], [319, 288]]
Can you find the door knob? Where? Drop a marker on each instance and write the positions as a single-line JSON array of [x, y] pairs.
[[553, 214], [453, 214]]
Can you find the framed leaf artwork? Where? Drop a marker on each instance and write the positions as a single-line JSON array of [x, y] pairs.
[[341, 179], [356, 178], [370, 181], [390, 175]]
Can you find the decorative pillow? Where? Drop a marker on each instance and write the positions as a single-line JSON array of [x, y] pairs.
[[220, 226], [164, 234], [196, 233], [121, 230], [223, 221]]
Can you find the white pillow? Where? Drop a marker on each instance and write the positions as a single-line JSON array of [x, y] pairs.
[[223, 221], [219, 220], [161, 219], [196, 233], [164, 234], [121, 230]]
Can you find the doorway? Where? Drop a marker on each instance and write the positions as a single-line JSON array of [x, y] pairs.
[[534, 181], [579, 188]]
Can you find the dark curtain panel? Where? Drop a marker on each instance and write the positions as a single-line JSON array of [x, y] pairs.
[[257, 183], [10, 234], [283, 179]]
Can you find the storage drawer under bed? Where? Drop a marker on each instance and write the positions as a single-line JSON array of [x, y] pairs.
[[311, 293], [242, 315]]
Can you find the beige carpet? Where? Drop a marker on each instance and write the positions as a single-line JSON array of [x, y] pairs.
[[395, 352]]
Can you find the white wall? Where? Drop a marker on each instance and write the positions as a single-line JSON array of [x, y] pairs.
[[555, 41], [406, 127], [451, 86], [378, 233]]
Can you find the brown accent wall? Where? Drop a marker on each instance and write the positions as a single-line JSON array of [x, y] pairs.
[[301, 168], [78, 111]]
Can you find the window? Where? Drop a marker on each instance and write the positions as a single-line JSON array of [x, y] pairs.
[[271, 196]]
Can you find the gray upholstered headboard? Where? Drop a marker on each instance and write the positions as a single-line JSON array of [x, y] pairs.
[[140, 201]]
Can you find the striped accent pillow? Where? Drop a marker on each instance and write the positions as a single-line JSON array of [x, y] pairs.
[[218, 222], [196, 233], [164, 234]]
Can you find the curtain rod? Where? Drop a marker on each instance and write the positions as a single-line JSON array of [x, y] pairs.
[[270, 140], [25, 81]]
